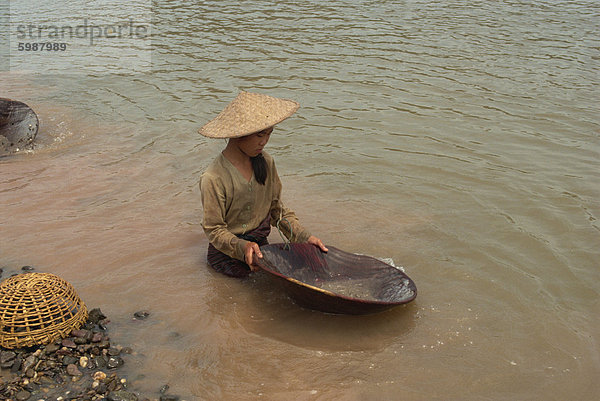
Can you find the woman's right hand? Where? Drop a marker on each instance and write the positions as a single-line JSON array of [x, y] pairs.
[[251, 253]]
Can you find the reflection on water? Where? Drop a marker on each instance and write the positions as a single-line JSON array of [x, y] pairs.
[[269, 313], [459, 139]]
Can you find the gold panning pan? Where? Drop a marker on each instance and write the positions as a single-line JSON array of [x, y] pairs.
[[336, 281]]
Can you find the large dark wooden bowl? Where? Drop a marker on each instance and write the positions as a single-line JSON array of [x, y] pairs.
[[18, 126], [336, 281]]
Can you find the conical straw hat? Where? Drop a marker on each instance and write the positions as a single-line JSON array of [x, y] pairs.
[[249, 113]]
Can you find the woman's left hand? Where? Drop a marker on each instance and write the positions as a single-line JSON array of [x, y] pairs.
[[317, 242]]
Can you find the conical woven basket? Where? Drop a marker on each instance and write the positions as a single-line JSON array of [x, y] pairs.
[[38, 308]]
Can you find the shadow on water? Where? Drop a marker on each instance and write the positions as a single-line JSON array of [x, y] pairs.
[[262, 308]]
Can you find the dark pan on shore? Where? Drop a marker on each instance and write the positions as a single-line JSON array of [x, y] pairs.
[[18, 126], [336, 281]]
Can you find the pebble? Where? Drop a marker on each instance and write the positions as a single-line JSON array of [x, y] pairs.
[[69, 360], [96, 315], [52, 348], [121, 396], [64, 370], [83, 361], [115, 362], [73, 370], [99, 375], [23, 395], [141, 315], [30, 361], [27, 268], [7, 358], [80, 333], [102, 388], [17, 364]]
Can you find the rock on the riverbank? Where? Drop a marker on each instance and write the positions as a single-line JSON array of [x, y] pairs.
[[80, 367]]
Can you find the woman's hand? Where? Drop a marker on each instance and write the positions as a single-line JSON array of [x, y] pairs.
[[317, 242], [251, 253]]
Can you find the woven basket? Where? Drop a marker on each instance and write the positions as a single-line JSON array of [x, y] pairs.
[[38, 308]]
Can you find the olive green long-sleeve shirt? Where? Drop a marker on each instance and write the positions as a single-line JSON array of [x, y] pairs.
[[232, 206]]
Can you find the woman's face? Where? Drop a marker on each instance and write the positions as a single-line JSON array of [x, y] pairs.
[[252, 145]]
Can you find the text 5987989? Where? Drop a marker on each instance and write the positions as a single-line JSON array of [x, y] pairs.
[[41, 46]]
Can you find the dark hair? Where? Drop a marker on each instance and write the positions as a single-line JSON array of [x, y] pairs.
[[259, 166]]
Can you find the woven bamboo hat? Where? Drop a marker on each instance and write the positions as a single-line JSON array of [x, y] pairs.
[[249, 113], [38, 308]]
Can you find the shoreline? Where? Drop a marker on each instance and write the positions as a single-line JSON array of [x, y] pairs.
[[83, 366]]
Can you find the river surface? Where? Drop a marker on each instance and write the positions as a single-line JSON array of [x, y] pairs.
[[459, 138]]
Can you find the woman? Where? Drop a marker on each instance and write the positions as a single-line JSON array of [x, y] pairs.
[[241, 191]]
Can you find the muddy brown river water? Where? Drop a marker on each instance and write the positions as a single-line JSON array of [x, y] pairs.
[[459, 138]]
